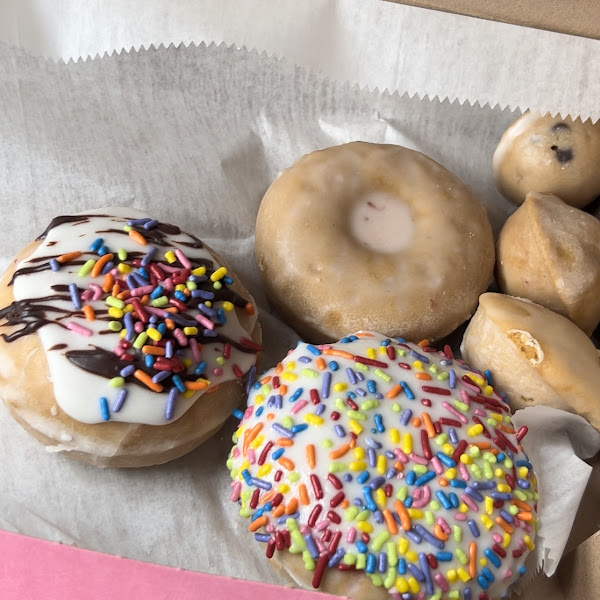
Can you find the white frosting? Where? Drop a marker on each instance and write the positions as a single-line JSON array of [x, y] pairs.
[[382, 223], [381, 437], [78, 391]]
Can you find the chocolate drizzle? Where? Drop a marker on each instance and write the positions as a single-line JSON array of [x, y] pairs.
[[31, 314]]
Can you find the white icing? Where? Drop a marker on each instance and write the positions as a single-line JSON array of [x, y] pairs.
[[382, 223], [295, 372], [77, 391]]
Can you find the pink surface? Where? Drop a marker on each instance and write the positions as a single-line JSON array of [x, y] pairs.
[[32, 569]]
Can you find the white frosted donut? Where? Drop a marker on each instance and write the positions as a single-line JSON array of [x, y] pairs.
[[123, 341], [373, 236], [374, 468], [549, 155]]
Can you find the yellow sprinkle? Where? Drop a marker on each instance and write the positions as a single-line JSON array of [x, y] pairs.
[[264, 470], [483, 561], [477, 379], [218, 274], [227, 306], [190, 330], [412, 556], [284, 488], [199, 271], [523, 472], [115, 313], [259, 399], [380, 466], [371, 353], [475, 430], [287, 376], [414, 513], [489, 505], [355, 426], [380, 497], [359, 453], [463, 508], [364, 526], [188, 393], [257, 441], [450, 473], [401, 585], [413, 584], [170, 256], [465, 459], [497, 417], [153, 334], [487, 522], [451, 575], [464, 576], [407, 443], [488, 390], [506, 540], [402, 546], [340, 387], [357, 465], [528, 542], [123, 268], [394, 436], [290, 366], [504, 488], [180, 287], [448, 449], [313, 419]]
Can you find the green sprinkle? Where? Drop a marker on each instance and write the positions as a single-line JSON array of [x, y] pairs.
[[400, 352], [392, 555], [441, 439], [461, 405], [220, 361], [349, 558], [191, 285], [350, 513], [383, 375], [457, 533], [309, 563], [487, 471], [363, 515], [361, 561], [140, 340], [127, 228], [390, 578], [369, 404], [337, 467], [474, 451], [265, 389], [217, 285], [402, 493], [355, 414], [433, 369], [491, 422], [475, 470], [115, 302], [361, 367], [339, 404], [442, 376], [159, 302], [491, 458], [287, 421], [513, 510], [454, 595], [396, 407], [520, 495], [122, 254], [298, 540], [381, 538], [436, 596], [115, 325], [429, 518], [246, 512], [293, 476], [420, 469], [86, 267], [508, 463], [326, 443], [434, 505], [462, 557], [376, 579], [310, 373], [117, 382], [246, 494]]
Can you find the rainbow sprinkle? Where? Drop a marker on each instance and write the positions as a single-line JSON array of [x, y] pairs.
[[387, 464]]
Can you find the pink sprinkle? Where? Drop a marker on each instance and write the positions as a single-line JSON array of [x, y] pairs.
[[196, 354], [462, 469], [183, 259], [457, 414], [236, 488], [420, 460], [437, 465], [480, 413], [118, 350], [251, 456], [322, 525], [79, 329], [180, 337], [507, 575], [270, 528], [470, 385], [168, 285], [526, 526], [442, 523], [320, 545], [248, 412], [441, 581], [87, 295], [497, 538], [425, 498], [97, 291], [400, 455], [236, 452], [351, 535], [299, 406], [460, 516], [205, 322], [140, 291], [218, 371], [304, 529], [469, 503], [465, 397], [138, 327]]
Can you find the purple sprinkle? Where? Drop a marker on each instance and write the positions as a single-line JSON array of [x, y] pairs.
[[326, 384], [251, 377], [416, 572], [473, 527], [378, 516], [311, 545], [271, 402], [452, 379], [429, 537], [131, 282], [203, 294], [372, 443], [508, 518], [278, 401], [406, 415], [445, 362], [359, 376], [54, 264], [134, 222], [351, 375], [372, 457], [320, 410], [389, 454], [347, 478], [335, 559], [360, 392], [120, 399], [425, 568], [209, 333], [127, 371], [168, 348], [262, 537], [282, 430], [474, 494], [161, 375], [75, 296], [452, 435], [379, 396], [261, 483], [391, 472], [418, 356], [339, 430], [150, 224], [109, 266], [149, 256], [304, 359], [173, 393], [377, 483], [382, 562], [523, 483], [501, 496]]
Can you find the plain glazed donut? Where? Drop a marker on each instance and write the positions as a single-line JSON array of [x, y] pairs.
[[549, 155], [373, 467], [104, 358], [372, 236]]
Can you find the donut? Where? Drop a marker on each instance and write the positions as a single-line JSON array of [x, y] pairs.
[[531, 351], [123, 340], [549, 252], [370, 236], [376, 468], [549, 155]]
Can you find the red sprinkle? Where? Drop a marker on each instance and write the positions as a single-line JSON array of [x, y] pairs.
[[425, 445], [254, 498], [319, 569], [460, 448], [391, 352], [237, 371], [404, 365], [522, 433], [450, 422], [334, 517], [335, 541], [314, 396], [270, 548], [250, 344], [314, 515], [275, 381], [279, 543], [368, 361], [433, 563], [316, 484], [335, 415], [277, 499], [430, 389], [336, 500], [278, 475], [335, 482], [352, 404]]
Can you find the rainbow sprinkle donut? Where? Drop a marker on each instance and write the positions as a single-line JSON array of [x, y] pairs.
[[380, 456]]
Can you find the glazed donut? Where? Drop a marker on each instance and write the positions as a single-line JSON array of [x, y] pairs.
[[549, 252], [372, 236], [549, 155], [124, 341], [531, 351], [384, 458]]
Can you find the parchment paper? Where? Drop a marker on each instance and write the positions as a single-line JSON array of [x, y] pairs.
[[366, 42], [194, 136]]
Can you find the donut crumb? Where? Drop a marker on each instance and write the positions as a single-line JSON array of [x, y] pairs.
[[527, 345]]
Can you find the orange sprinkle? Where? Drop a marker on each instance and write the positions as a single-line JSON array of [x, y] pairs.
[[279, 368], [303, 494], [278, 511], [147, 380], [394, 391], [145, 299], [422, 376], [439, 533], [170, 324], [171, 309], [443, 481], [310, 456], [116, 290], [403, 514], [153, 350], [282, 389], [186, 293], [505, 429], [265, 380], [524, 516], [340, 353], [250, 436], [522, 505], [268, 496], [258, 523], [89, 312], [124, 295], [287, 463], [389, 521], [508, 528], [291, 506], [339, 452], [196, 385], [416, 422], [109, 281], [249, 309], [136, 236], [345, 504], [398, 466], [68, 257], [363, 334], [270, 417], [481, 445], [320, 363], [352, 443], [472, 559], [428, 425], [99, 264], [283, 441], [213, 389], [423, 343]]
